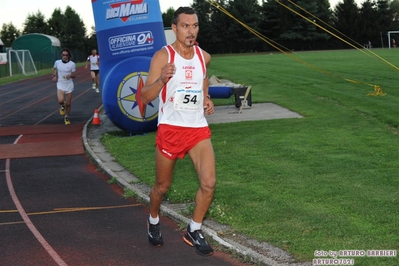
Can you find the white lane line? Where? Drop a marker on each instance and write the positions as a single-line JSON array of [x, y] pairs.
[[26, 219]]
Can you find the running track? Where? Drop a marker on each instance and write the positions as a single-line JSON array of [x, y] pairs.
[[56, 208]]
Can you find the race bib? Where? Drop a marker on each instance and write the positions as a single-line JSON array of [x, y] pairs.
[[188, 99]]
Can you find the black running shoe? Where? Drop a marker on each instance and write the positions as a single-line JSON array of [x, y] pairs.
[[197, 239], [154, 234]]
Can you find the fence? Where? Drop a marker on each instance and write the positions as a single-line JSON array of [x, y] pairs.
[[41, 60]]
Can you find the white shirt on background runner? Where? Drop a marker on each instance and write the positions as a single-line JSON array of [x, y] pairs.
[[94, 59], [63, 70]]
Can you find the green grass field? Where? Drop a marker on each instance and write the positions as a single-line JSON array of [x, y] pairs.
[[328, 181]]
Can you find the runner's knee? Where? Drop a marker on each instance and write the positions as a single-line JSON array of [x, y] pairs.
[[208, 185], [160, 189]]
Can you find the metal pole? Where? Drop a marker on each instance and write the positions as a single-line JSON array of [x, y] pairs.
[[382, 42], [9, 61]]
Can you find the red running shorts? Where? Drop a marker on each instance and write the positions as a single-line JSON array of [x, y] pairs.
[[175, 142]]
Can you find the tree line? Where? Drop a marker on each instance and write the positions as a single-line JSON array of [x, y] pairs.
[[281, 21], [66, 25]]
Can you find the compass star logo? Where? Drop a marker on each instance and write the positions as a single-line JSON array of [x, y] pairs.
[[129, 99]]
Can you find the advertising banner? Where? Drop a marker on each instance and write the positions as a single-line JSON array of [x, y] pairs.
[[128, 35]]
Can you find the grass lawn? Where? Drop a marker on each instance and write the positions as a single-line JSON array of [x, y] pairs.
[[326, 182]]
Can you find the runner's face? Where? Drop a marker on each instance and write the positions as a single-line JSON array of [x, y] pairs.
[[187, 29], [65, 56]]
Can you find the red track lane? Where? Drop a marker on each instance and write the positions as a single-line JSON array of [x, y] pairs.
[[58, 209]]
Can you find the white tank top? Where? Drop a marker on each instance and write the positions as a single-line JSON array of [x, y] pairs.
[[181, 99]]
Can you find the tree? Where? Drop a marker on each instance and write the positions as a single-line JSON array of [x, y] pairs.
[[367, 21], [385, 16], [35, 23], [70, 30], [274, 20], [56, 24], [74, 34], [8, 34], [167, 17], [203, 10], [91, 42], [285, 23], [248, 12], [346, 20], [214, 37], [394, 7], [324, 14], [302, 34]]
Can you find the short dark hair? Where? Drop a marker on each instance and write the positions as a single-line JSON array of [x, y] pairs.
[[182, 10]]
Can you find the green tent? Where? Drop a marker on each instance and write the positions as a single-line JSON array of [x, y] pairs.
[[45, 49]]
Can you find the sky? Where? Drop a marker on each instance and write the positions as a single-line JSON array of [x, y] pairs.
[[16, 11]]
